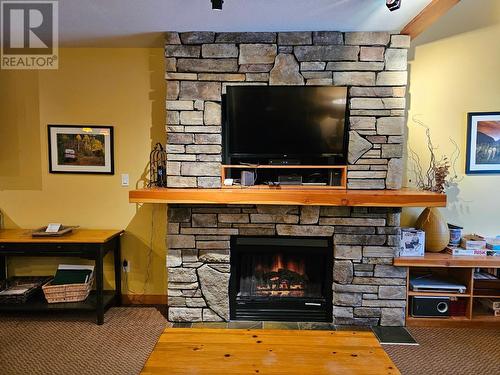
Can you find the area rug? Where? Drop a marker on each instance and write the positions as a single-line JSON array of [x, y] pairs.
[[454, 351], [74, 344]]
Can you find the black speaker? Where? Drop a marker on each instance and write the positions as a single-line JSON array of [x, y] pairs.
[[430, 306]]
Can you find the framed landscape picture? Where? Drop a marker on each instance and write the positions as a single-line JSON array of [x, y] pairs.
[[483, 143], [81, 149]]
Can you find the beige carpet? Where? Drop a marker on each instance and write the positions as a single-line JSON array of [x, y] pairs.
[[453, 351], [74, 344]]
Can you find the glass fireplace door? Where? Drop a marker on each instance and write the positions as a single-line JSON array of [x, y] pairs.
[[281, 278]]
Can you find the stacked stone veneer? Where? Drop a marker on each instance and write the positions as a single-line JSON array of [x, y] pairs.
[[367, 289], [200, 66]]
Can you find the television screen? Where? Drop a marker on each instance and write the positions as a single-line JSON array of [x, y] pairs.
[[285, 121]]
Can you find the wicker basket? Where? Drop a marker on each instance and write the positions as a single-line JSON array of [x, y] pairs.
[[67, 292], [36, 281]]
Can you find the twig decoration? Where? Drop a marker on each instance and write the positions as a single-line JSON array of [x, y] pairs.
[[437, 176]]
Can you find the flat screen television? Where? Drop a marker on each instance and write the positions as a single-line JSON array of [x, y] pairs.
[[301, 123]]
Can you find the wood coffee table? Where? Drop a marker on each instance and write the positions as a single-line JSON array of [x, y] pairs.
[[246, 351]]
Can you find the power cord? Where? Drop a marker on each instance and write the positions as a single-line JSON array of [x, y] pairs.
[[138, 296]]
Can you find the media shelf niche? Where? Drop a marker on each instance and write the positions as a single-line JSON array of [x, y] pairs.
[[460, 269], [268, 176]]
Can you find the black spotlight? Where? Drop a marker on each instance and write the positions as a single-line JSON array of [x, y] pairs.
[[217, 4], [391, 4]]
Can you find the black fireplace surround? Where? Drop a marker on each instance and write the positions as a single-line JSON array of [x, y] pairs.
[[281, 279]]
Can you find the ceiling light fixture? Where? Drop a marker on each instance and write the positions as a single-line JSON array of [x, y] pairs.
[[393, 4], [217, 4]]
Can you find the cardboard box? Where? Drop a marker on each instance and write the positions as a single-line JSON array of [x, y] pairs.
[[473, 242], [412, 243]]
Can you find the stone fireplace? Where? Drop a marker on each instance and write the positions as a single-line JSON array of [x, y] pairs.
[[365, 288]]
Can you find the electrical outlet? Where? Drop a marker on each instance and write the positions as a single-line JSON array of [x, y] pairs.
[[125, 179], [126, 266]]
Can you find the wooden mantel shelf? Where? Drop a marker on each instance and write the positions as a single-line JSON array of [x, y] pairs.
[[299, 196]]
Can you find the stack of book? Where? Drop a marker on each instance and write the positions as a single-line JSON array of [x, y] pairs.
[[72, 274], [475, 245], [491, 304]]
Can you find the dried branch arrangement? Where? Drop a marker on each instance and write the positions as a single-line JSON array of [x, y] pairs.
[[441, 171]]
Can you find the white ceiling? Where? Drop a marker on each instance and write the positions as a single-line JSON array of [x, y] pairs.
[[139, 22]]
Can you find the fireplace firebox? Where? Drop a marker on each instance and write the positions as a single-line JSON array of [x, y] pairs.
[[281, 279]]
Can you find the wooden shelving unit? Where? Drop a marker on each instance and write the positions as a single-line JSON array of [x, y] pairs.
[[462, 269], [342, 169], [292, 196]]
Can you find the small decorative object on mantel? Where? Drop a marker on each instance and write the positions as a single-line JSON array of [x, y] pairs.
[[81, 149], [158, 167], [483, 143], [436, 179]]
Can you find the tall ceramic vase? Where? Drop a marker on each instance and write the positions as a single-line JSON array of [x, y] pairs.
[[437, 234]]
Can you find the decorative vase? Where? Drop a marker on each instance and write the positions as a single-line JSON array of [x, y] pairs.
[[437, 234]]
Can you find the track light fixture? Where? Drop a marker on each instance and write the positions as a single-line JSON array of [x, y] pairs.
[[393, 4], [217, 4]]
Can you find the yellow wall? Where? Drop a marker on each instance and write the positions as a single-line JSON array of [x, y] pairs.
[[109, 86], [449, 77]]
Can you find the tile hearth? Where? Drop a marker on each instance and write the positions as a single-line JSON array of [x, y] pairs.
[[259, 325]]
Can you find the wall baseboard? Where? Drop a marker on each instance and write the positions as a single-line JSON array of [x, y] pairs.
[[146, 299]]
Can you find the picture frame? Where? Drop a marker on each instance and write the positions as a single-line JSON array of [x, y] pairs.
[[483, 143], [81, 149]]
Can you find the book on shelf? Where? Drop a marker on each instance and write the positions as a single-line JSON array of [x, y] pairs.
[[459, 251], [64, 277], [473, 242], [72, 274]]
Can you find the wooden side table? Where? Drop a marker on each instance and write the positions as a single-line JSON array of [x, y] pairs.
[[83, 243]]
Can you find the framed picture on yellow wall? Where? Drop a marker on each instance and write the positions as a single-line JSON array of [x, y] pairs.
[[483, 143], [81, 149]]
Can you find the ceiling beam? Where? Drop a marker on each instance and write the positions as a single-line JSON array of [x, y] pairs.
[[430, 14]]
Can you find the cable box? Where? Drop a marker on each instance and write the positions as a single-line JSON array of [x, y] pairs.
[[290, 180]]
